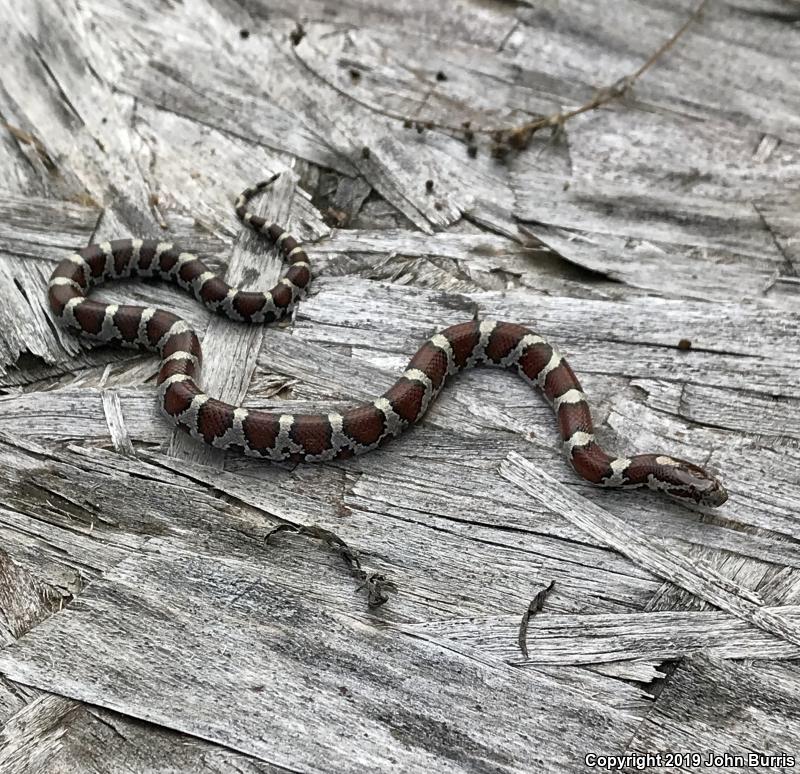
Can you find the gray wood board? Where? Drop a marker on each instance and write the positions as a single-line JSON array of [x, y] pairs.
[[714, 706], [264, 662], [147, 627]]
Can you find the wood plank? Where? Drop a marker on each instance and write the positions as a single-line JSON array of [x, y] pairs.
[[625, 640], [697, 577], [406, 684], [671, 220], [31, 737], [733, 708]]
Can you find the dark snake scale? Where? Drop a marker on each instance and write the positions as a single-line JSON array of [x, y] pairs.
[[319, 437]]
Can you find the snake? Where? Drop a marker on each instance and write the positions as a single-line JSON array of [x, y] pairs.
[[320, 437]]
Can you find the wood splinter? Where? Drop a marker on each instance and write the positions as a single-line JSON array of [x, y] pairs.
[[537, 603], [377, 585]]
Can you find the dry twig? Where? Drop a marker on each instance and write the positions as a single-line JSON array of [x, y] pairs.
[[519, 136], [506, 139], [377, 585], [537, 603], [26, 138]]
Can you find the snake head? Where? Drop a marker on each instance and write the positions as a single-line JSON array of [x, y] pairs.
[[690, 483]]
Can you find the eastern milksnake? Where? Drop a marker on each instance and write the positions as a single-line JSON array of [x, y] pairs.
[[318, 437]]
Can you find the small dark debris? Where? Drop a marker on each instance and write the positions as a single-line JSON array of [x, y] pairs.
[[429, 185], [244, 34], [419, 127], [684, 345], [336, 217], [355, 75], [297, 34], [408, 123], [469, 135], [377, 585], [466, 125], [520, 138], [438, 206], [365, 152], [500, 150], [537, 603], [440, 76], [472, 150]]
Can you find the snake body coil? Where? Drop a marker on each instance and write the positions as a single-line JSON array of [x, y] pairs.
[[319, 437]]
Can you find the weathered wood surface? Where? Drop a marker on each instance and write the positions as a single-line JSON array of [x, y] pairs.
[[743, 710], [147, 626]]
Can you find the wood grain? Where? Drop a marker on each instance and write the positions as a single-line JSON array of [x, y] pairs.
[[145, 624]]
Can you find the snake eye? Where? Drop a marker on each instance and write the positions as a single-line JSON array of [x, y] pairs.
[[711, 492], [698, 485]]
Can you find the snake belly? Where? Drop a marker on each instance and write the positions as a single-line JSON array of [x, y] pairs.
[[362, 428]]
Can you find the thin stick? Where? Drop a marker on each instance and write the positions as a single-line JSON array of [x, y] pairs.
[[518, 136], [537, 603]]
